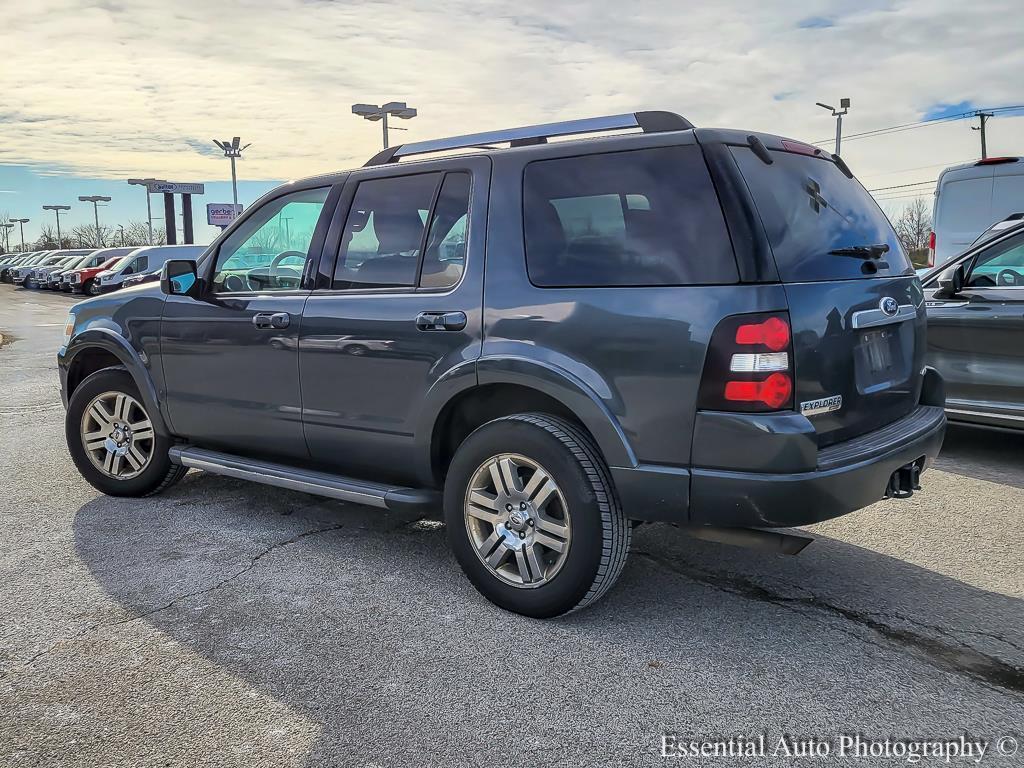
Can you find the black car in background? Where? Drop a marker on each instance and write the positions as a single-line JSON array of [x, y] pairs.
[[975, 309]]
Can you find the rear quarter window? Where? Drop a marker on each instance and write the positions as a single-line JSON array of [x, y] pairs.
[[808, 208], [644, 217]]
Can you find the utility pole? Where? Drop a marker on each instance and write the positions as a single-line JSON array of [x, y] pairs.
[[120, 230], [22, 223], [57, 209], [232, 150], [373, 113], [149, 210], [96, 200], [983, 116], [844, 107]]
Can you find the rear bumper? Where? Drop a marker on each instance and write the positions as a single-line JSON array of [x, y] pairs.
[[765, 470], [848, 477]]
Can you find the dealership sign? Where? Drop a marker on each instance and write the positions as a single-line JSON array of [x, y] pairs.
[[221, 214], [174, 188]]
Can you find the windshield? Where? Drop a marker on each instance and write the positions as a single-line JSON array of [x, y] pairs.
[[119, 263], [822, 225]]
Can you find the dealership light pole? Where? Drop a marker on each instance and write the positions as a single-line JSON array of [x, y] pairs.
[[96, 200], [57, 209], [374, 113], [149, 210], [844, 107], [232, 150], [21, 225]]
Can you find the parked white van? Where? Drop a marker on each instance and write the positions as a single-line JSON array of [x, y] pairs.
[[969, 199], [148, 258]]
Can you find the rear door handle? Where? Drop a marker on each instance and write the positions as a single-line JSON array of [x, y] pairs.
[[277, 320], [441, 321]]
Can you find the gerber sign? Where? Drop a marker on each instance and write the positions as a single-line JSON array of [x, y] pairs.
[[221, 214]]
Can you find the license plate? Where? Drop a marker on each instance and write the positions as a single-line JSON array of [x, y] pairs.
[[877, 349]]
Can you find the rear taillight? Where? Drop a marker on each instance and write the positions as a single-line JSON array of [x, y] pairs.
[[931, 249], [749, 365]]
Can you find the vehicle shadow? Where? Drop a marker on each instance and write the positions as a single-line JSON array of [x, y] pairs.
[[985, 454], [362, 622]]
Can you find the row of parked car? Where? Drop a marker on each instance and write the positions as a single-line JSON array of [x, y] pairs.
[[89, 270]]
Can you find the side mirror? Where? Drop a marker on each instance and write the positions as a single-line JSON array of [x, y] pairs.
[[178, 278], [952, 282]]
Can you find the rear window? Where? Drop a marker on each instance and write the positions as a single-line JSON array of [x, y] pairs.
[[809, 207], [636, 218]]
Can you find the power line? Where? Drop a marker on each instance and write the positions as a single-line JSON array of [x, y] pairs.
[[915, 168], [901, 186], [921, 123]]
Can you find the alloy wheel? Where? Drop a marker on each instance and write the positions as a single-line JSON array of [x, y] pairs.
[[117, 435], [517, 520]]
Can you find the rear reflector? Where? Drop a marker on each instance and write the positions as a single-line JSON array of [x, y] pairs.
[[760, 363], [773, 333], [774, 391]]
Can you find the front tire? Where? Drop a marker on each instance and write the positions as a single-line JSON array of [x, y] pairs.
[[532, 515], [112, 439]]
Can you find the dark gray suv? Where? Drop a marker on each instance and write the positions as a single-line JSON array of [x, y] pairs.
[[554, 339]]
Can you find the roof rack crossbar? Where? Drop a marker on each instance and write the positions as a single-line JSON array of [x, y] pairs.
[[649, 122]]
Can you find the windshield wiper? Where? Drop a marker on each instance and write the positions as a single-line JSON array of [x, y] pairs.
[[862, 251]]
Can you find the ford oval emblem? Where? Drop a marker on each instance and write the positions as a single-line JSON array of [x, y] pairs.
[[889, 306]]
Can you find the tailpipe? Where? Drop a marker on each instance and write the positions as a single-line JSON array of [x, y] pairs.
[[751, 538]]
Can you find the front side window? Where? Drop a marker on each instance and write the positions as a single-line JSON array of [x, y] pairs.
[[387, 243], [1001, 266], [639, 218], [268, 251]]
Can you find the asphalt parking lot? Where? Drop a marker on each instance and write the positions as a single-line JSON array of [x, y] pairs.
[[223, 623]]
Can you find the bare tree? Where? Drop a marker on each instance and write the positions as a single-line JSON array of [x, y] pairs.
[[913, 226], [137, 233], [47, 240], [87, 236], [5, 231]]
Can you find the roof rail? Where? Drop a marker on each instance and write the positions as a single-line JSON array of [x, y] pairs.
[[649, 122]]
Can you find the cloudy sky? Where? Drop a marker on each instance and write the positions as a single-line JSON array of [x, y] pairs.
[[99, 91]]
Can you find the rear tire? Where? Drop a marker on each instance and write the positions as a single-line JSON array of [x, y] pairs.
[[532, 515], [112, 439]]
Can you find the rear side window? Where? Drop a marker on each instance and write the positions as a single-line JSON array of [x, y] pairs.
[[809, 207], [637, 218], [386, 242]]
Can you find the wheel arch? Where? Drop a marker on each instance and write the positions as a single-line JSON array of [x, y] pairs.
[[96, 349], [505, 386]]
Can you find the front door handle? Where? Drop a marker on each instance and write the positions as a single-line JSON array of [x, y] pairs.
[[441, 321], [277, 320]]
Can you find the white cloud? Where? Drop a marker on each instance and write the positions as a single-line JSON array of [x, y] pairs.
[[138, 88]]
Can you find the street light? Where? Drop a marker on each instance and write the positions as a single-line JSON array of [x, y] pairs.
[[149, 211], [373, 113], [7, 236], [232, 150], [22, 223], [95, 200], [844, 107], [57, 209]]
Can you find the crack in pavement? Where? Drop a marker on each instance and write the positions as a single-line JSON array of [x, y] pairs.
[[962, 660], [188, 595]]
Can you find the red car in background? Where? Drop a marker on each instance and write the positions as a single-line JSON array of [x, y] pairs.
[[80, 280]]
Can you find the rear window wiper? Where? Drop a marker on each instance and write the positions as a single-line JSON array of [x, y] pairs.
[[875, 251]]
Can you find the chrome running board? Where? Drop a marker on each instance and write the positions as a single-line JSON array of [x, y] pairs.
[[391, 497]]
